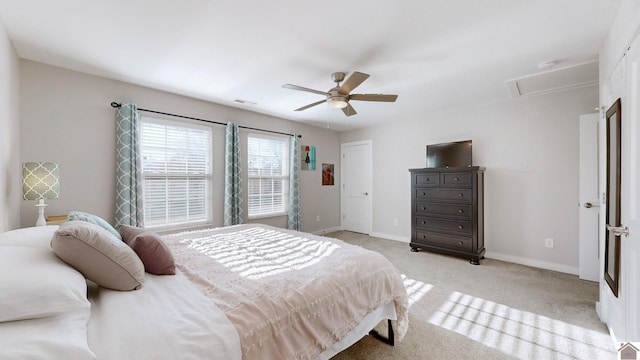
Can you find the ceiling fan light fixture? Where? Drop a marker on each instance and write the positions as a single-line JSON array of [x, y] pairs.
[[337, 103], [339, 96]]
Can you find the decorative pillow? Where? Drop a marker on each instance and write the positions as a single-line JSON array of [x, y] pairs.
[[36, 284], [153, 252], [94, 219], [97, 254]]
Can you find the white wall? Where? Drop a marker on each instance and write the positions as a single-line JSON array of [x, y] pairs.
[[66, 118], [10, 176], [530, 149], [623, 30]]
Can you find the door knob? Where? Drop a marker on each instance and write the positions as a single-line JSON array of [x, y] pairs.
[[366, 193], [589, 205], [618, 230]]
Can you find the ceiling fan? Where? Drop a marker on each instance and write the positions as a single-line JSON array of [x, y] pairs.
[[338, 97]]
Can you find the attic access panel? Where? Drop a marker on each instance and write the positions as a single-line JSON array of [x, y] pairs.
[[565, 78]]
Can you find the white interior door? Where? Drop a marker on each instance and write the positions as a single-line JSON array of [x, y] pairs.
[[355, 190], [630, 203], [589, 262], [612, 305], [621, 313]]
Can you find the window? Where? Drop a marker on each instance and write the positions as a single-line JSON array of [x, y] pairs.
[[176, 167], [268, 175]]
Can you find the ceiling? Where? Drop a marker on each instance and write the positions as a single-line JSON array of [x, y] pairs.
[[432, 53]]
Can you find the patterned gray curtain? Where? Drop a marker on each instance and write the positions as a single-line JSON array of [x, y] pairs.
[[232, 177], [294, 221], [129, 210]]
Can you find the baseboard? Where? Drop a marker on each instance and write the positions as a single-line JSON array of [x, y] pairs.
[[530, 262], [326, 231], [374, 234], [490, 255], [391, 237]]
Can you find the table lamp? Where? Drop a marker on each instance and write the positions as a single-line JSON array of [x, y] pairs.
[[40, 180]]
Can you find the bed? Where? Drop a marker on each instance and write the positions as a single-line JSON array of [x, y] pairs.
[[240, 292]]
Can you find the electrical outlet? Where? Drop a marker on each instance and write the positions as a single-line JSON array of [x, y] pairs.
[[395, 222], [318, 218], [548, 242]]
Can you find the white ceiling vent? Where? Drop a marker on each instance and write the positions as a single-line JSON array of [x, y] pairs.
[[566, 78]]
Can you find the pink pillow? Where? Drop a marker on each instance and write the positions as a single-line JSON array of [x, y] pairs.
[[150, 248]]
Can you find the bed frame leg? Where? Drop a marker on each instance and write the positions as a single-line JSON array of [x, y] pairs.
[[387, 340]]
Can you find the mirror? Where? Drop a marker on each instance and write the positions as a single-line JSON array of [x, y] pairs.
[[612, 217]]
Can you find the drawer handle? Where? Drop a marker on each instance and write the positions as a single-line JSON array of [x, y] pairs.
[[424, 208], [460, 195], [422, 222], [459, 211], [456, 179], [428, 179], [460, 243], [424, 236], [460, 227], [424, 194]]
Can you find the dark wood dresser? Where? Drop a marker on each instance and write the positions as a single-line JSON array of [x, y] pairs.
[[447, 206]]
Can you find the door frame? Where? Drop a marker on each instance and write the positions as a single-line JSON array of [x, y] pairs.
[[589, 190]]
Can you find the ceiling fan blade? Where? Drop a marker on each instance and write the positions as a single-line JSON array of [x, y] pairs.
[[310, 105], [352, 82], [373, 97], [349, 110], [296, 87]]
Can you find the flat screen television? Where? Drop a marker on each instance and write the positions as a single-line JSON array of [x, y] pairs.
[[452, 154]]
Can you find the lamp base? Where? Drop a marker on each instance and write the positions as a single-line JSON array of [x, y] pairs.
[[41, 205]]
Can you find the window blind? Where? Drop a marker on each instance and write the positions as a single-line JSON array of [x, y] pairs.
[[176, 172], [268, 175]]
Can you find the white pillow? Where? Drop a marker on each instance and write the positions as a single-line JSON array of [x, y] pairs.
[[35, 284], [56, 337], [38, 236]]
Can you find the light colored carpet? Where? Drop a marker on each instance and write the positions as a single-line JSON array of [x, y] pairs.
[[497, 310]]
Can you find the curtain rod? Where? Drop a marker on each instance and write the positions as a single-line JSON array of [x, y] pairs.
[[118, 105]]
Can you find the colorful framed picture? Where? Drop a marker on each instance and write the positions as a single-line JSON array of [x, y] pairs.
[[308, 157], [328, 174]]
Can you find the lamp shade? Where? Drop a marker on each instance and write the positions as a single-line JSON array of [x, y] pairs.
[[40, 180]]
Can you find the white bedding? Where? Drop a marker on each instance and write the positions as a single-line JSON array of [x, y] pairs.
[[56, 337], [168, 318]]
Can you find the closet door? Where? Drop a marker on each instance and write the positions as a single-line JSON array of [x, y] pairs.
[[630, 197], [356, 187], [621, 252]]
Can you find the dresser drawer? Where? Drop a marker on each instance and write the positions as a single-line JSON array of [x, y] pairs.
[[437, 209], [456, 179], [462, 227], [457, 195], [447, 241], [427, 179]]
